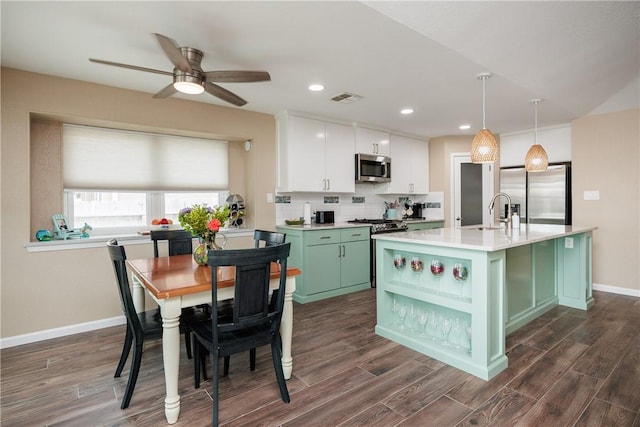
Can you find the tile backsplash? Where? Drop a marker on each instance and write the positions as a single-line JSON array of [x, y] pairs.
[[364, 204]]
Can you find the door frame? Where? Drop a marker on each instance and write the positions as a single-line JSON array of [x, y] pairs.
[[488, 180]]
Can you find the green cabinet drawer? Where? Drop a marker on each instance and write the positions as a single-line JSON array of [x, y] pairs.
[[412, 226], [354, 234], [321, 237]]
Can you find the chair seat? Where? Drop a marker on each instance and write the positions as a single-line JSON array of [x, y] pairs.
[[233, 341]]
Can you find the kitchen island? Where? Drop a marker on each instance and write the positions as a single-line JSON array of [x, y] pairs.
[[454, 293]]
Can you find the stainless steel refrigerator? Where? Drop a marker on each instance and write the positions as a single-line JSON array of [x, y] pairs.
[[539, 197]]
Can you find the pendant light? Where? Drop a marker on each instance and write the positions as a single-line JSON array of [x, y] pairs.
[[484, 148], [536, 159]]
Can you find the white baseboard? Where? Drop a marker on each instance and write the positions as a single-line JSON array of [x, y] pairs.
[[60, 332], [616, 290]]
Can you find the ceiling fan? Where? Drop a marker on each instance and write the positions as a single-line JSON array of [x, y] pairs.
[[188, 76]]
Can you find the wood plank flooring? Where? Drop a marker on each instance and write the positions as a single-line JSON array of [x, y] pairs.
[[566, 368]]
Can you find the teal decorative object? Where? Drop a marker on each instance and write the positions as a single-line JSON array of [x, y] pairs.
[[43, 235]]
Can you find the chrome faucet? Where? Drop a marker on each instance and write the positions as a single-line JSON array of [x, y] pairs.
[[507, 220]]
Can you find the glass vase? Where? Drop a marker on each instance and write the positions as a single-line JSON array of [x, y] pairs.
[[216, 243]]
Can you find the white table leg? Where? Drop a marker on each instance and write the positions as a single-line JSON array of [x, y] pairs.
[[171, 356], [137, 293], [286, 327]]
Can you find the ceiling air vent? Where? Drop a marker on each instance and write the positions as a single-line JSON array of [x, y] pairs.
[[346, 98]]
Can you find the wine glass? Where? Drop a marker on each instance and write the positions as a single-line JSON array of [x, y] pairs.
[[460, 273], [416, 264], [412, 317], [458, 332], [399, 261], [433, 325], [402, 314], [437, 267], [468, 330], [423, 317], [445, 325], [395, 307]]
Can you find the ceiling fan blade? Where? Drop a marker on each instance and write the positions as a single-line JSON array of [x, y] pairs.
[[224, 94], [172, 50], [131, 67], [237, 76], [166, 92]]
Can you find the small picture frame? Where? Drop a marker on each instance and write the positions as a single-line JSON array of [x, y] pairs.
[[60, 224]]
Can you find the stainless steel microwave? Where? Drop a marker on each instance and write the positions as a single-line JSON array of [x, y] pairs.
[[372, 168]]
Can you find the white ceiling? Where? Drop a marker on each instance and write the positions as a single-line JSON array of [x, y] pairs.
[[575, 55]]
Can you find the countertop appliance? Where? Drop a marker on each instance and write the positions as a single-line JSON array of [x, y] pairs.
[[325, 217], [418, 210], [379, 226], [543, 197], [373, 168]]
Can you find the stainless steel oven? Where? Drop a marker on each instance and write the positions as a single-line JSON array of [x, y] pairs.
[[379, 226]]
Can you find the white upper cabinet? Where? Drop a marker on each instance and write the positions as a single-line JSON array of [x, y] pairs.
[[314, 156], [371, 141], [409, 167]]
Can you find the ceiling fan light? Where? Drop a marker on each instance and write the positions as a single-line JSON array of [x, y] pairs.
[[190, 88], [484, 148], [536, 159]]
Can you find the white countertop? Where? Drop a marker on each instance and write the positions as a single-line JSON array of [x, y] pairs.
[[485, 240]]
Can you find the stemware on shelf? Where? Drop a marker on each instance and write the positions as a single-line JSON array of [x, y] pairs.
[[460, 272], [412, 317], [468, 330], [445, 324], [458, 332], [423, 317], [416, 264], [403, 314], [437, 267], [399, 261], [433, 325]]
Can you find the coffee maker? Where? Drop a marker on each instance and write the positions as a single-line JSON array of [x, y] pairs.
[[418, 210]]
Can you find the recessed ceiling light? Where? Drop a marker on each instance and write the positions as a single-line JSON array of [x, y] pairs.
[[464, 127], [406, 111], [316, 87]]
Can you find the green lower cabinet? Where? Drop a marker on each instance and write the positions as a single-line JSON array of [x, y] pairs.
[[413, 226], [333, 261]]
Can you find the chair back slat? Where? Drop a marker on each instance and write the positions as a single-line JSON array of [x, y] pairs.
[[264, 238], [118, 259], [179, 242]]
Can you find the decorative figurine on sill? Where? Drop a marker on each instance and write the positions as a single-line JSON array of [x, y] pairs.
[[85, 230], [43, 235]]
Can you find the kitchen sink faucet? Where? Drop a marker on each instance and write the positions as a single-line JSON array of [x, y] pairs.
[[507, 220]]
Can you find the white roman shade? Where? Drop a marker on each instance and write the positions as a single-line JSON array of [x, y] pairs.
[[110, 159]]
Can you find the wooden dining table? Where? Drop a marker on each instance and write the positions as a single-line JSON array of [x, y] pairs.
[[177, 281]]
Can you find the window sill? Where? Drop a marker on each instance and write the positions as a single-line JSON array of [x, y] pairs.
[[99, 241]]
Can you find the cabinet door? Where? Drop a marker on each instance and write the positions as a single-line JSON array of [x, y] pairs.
[[372, 141], [306, 141], [339, 158], [419, 167], [355, 263], [400, 166], [321, 268]]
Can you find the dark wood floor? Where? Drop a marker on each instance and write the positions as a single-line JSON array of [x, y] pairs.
[[566, 368]]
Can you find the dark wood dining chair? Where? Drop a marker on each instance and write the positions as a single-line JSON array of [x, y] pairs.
[[264, 238], [141, 327], [179, 242], [253, 323]]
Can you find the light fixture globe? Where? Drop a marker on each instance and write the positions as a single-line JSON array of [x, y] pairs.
[[536, 159], [484, 148], [189, 84]]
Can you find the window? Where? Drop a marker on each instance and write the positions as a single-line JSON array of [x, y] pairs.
[[118, 181]]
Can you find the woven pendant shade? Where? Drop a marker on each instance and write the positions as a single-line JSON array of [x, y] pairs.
[[484, 148], [536, 159]]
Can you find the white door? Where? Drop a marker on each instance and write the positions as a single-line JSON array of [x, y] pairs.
[[472, 189]]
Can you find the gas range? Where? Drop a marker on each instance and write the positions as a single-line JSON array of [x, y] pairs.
[[382, 225]]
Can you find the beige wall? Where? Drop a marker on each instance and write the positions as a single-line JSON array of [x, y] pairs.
[[45, 290], [606, 158]]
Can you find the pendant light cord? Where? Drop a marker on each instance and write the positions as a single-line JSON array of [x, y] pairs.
[[483, 102], [535, 121]]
